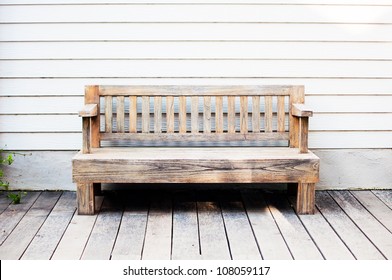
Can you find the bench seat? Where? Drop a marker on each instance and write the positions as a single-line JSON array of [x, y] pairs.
[[195, 165]]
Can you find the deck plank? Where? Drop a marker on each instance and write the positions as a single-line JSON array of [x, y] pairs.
[[271, 242], [298, 240], [329, 243], [376, 207], [104, 233], [12, 215], [213, 240], [351, 235], [385, 196], [157, 244], [243, 245], [45, 241], [74, 240], [185, 244], [4, 201], [372, 228], [130, 239], [17, 242]]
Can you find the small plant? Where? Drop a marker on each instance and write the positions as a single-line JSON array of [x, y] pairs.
[[7, 158]]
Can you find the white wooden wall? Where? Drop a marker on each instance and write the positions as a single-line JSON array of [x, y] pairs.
[[341, 50]]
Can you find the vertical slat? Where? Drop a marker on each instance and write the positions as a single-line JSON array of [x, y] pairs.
[[231, 114], [92, 97], [268, 113], [244, 114], [108, 114], [303, 135], [86, 135], [170, 114], [281, 114], [256, 113], [207, 114], [182, 114], [158, 114], [219, 114], [132, 114], [120, 114], [297, 95], [145, 114], [195, 114]]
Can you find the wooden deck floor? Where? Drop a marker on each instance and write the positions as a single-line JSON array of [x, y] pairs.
[[197, 225]]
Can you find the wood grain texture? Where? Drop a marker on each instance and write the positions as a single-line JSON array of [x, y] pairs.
[[385, 196], [132, 114], [89, 110], [303, 135], [158, 114], [47, 238], [352, 236], [301, 110], [85, 198], [267, 233], [244, 114], [86, 146], [108, 114], [196, 165], [120, 117], [256, 113], [297, 95], [194, 114], [91, 96], [281, 114], [219, 114], [305, 198], [207, 114], [268, 114], [182, 114], [146, 114], [17, 242], [231, 114], [170, 114]]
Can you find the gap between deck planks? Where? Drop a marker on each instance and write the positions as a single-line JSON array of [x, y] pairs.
[[198, 224]]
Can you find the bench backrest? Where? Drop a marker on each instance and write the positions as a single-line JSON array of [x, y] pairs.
[[185, 114]]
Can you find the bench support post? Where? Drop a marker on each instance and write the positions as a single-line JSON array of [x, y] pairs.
[[305, 198], [86, 199], [303, 135]]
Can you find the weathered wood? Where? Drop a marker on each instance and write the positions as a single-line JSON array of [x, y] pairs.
[[92, 97], [89, 110], [130, 238], [133, 114], [358, 244], [47, 238], [185, 244], [244, 114], [305, 198], [195, 90], [158, 114], [213, 240], [303, 135], [11, 216], [281, 114], [108, 114], [157, 243], [75, 237], [195, 165], [373, 229], [207, 114], [219, 114], [17, 242], [86, 147], [376, 207], [243, 245], [104, 232], [297, 95], [146, 114], [385, 196], [4, 202], [170, 114], [267, 233], [195, 114], [301, 110], [231, 125], [256, 113], [196, 137], [182, 114], [298, 240], [327, 240], [120, 117], [268, 114], [86, 201]]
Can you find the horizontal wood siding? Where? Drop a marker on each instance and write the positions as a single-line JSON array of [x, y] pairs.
[[340, 50]]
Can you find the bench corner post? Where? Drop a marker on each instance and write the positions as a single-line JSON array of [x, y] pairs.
[[86, 199], [305, 198]]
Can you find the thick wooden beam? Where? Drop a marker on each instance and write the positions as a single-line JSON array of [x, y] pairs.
[[86, 131], [89, 110], [305, 198], [92, 97], [86, 199], [303, 135]]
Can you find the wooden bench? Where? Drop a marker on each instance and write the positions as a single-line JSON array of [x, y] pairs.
[[195, 134]]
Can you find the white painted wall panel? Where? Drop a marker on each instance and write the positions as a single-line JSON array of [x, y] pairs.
[[195, 31], [199, 13]]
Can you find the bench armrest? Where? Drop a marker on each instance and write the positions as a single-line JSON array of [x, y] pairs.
[[89, 110], [301, 110]]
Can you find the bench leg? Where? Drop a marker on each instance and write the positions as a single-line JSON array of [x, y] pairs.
[[305, 198], [86, 199]]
